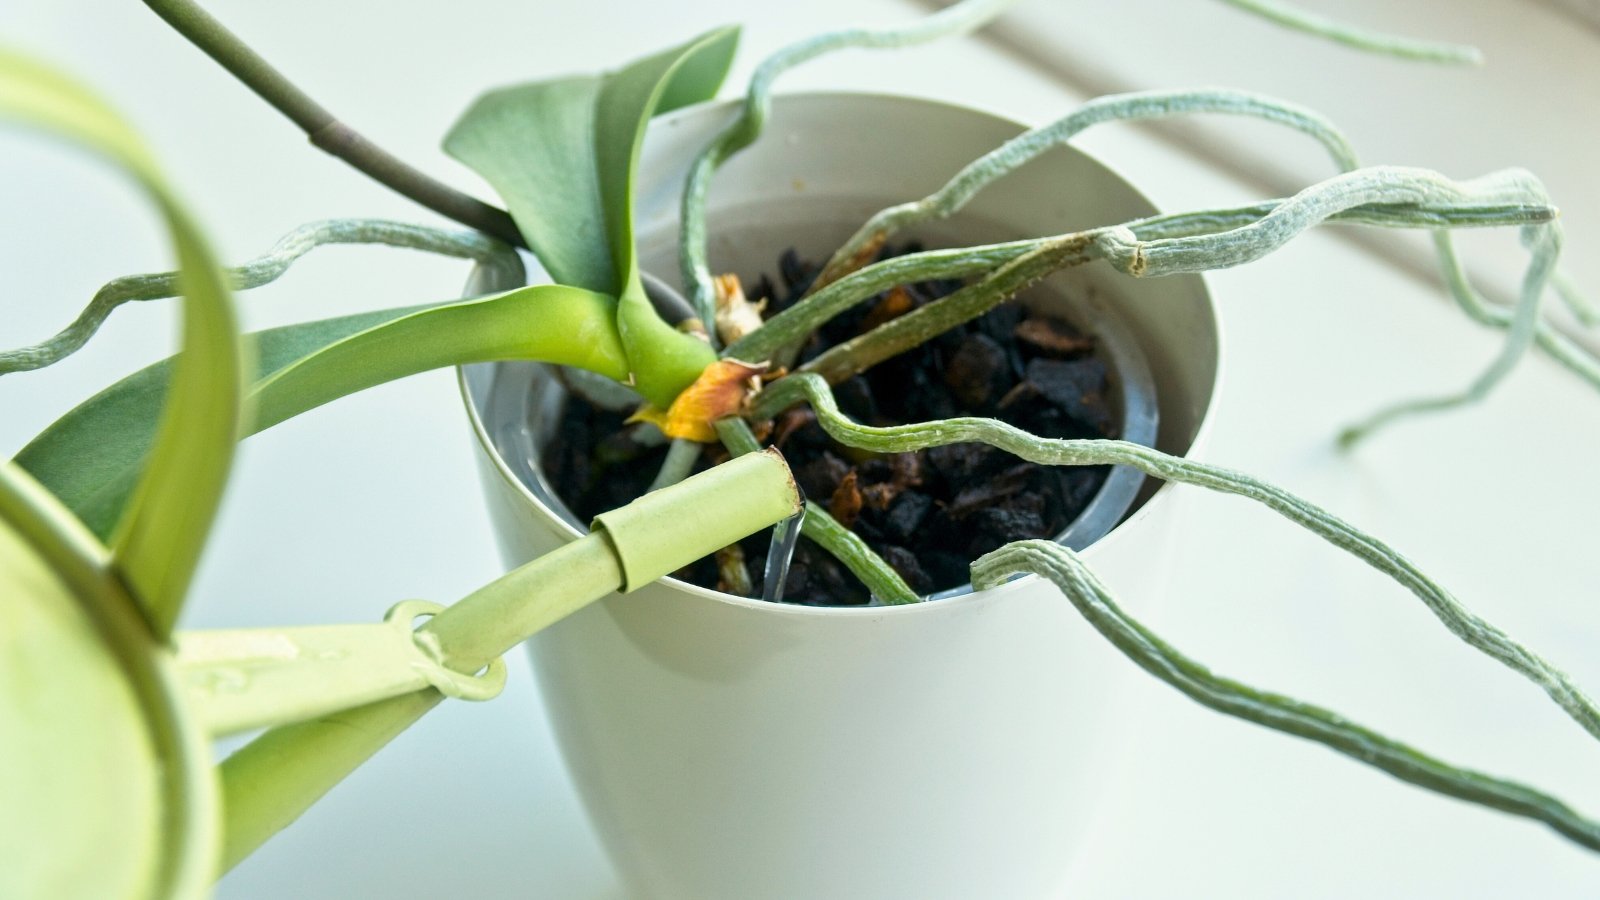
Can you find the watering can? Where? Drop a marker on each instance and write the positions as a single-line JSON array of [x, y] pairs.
[[106, 775]]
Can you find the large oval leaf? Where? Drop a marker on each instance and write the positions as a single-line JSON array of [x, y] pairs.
[[533, 143], [628, 98], [664, 360], [563, 154], [540, 146]]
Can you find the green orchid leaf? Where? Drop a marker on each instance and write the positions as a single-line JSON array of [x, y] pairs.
[[87, 457], [563, 154], [664, 360], [158, 541], [626, 101], [108, 787], [544, 148], [90, 456], [534, 144], [160, 536], [550, 323]]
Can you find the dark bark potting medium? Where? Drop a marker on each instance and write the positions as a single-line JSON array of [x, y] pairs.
[[928, 513]]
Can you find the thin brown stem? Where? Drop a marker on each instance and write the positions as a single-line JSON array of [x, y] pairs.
[[324, 130]]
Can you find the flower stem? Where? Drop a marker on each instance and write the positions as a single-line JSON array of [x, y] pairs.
[[325, 131]]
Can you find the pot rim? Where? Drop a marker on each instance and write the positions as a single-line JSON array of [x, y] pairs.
[[949, 604]]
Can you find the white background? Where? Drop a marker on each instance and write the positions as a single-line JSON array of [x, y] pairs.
[[338, 514]]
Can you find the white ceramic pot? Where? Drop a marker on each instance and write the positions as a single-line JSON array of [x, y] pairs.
[[730, 749]]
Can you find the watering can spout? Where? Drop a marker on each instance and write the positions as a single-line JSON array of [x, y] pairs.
[[243, 679], [667, 529]]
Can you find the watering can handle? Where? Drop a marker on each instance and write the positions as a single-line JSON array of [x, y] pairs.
[[243, 679]]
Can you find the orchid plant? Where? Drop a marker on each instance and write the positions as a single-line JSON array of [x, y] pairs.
[[106, 512]]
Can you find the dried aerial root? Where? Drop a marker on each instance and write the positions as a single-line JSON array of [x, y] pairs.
[[720, 391]]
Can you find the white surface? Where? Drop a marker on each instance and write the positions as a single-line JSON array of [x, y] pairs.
[[340, 513]]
